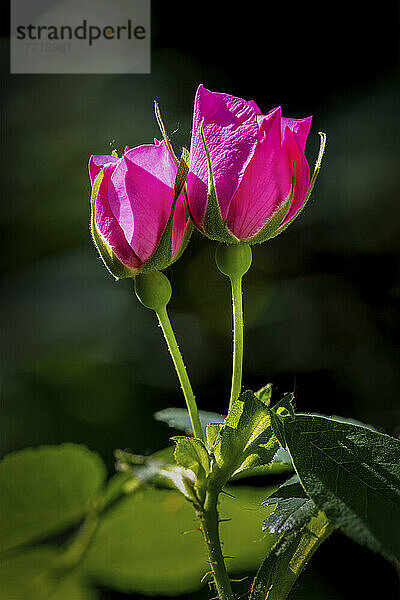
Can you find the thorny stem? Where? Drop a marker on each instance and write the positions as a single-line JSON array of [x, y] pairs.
[[208, 517], [177, 359]]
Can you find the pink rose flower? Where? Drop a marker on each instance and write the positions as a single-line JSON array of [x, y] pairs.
[[249, 177], [132, 202]]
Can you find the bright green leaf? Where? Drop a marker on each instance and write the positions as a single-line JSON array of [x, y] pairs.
[[192, 454], [284, 563], [246, 440], [353, 475], [45, 490], [141, 544]]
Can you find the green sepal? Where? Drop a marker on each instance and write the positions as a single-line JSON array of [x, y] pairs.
[[162, 257], [269, 229], [317, 169], [116, 267], [264, 394], [213, 225], [246, 439], [280, 413], [163, 130]]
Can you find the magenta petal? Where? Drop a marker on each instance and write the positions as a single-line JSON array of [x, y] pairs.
[[294, 153], [179, 226], [255, 106], [141, 194], [97, 162], [300, 128], [108, 225], [230, 130], [266, 183]]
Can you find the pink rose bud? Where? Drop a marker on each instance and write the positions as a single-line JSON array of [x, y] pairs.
[[139, 221], [248, 177]]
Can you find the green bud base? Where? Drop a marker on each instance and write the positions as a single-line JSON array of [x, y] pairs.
[[234, 260]]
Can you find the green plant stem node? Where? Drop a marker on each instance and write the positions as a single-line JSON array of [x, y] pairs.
[[153, 290], [234, 260]]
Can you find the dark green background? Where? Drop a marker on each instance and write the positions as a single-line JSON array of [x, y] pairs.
[[83, 362]]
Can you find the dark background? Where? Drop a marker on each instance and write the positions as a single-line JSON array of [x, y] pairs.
[[84, 362]]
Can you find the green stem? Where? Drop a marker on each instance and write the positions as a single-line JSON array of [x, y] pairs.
[[78, 545], [208, 517], [176, 355], [237, 305], [234, 261]]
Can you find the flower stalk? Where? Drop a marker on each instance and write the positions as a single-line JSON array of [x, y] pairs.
[[181, 371], [237, 307], [234, 261], [154, 291]]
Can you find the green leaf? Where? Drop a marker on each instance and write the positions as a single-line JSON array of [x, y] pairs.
[[281, 463], [192, 454], [178, 418], [293, 508], [281, 412], [349, 420], [141, 545], [246, 439], [45, 490], [353, 475], [214, 227], [284, 563], [33, 575]]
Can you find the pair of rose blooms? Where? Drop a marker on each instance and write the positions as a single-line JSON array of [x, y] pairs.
[[248, 179]]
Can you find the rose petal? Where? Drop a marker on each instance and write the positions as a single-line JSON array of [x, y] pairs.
[[97, 162], [300, 128], [141, 195], [266, 182], [231, 131], [294, 153], [109, 227]]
